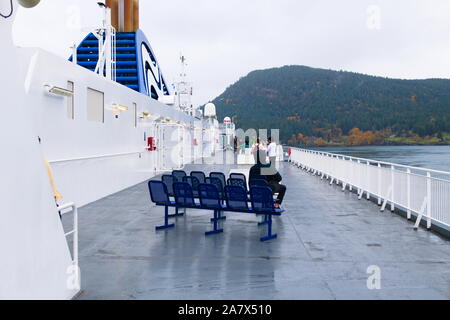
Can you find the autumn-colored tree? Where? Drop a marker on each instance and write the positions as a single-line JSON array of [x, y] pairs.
[[297, 139], [359, 138], [319, 142]]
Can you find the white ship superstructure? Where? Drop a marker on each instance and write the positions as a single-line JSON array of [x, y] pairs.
[[103, 120]]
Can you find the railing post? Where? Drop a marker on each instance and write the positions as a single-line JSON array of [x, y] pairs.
[[368, 181], [428, 200], [328, 167], [351, 174], [75, 235], [336, 173], [359, 189], [393, 188], [379, 184], [408, 192]]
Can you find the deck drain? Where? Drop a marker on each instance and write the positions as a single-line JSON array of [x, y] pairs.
[[373, 245]]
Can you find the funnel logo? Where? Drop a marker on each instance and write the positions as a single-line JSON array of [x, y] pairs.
[[152, 74]]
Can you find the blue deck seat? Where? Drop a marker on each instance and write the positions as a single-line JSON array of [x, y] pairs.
[[194, 183], [262, 200], [160, 196], [179, 175], [220, 176], [237, 182], [184, 195], [219, 185], [262, 203], [169, 180], [237, 198], [210, 199], [199, 175], [239, 176]]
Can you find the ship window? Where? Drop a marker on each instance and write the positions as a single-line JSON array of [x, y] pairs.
[[95, 105], [70, 101], [135, 115]]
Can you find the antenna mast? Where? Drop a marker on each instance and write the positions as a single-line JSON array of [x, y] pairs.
[[184, 90]]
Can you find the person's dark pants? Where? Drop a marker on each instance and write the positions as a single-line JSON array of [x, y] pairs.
[[280, 189]]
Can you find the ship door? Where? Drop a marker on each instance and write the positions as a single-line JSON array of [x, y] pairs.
[[171, 146]]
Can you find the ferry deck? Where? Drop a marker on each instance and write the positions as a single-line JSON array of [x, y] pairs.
[[327, 240]]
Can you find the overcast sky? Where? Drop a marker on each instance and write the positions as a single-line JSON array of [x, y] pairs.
[[225, 40]]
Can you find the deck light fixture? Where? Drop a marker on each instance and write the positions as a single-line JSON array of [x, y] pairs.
[[146, 114], [120, 107], [58, 91]]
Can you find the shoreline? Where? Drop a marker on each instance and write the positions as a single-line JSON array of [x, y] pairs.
[[377, 145]]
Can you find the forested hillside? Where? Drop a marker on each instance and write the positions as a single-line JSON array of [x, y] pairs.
[[324, 107]]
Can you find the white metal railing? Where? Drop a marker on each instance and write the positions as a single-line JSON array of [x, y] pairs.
[[424, 192], [64, 209]]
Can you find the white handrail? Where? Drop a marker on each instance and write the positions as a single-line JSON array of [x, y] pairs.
[[420, 192], [64, 209], [377, 162]]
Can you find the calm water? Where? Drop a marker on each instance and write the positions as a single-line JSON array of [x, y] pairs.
[[431, 157]]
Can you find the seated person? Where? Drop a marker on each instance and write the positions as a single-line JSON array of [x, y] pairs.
[[262, 168]]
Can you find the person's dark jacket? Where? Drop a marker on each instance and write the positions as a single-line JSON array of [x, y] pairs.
[[256, 172]]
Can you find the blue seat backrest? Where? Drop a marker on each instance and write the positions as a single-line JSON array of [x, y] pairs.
[[239, 176], [184, 195], [158, 192], [237, 182], [220, 176], [236, 197], [199, 175], [193, 181], [262, 199], [179, 175], [169, 180], [209, 196], [218, 183], [258, 182]]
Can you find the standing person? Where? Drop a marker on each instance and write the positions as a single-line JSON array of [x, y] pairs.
[[247, 142], [272, 151], [256, 146], [235, 144]]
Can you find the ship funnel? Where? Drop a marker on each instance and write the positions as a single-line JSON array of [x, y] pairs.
[[124, 14], [28, 3]]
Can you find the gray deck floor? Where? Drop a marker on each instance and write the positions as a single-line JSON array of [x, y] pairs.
[[326, 241]]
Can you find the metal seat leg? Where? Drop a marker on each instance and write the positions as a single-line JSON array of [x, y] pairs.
[[166, 220], [216, 225], [269, 236]]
